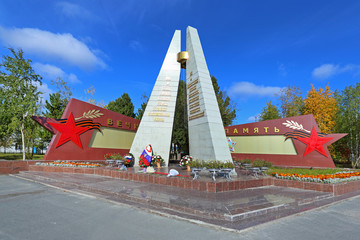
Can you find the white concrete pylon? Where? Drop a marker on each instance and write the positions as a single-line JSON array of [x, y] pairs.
[[207, 139], [156, 125]]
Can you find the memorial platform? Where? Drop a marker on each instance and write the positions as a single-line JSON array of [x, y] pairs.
[[231, 209], [243, 180]]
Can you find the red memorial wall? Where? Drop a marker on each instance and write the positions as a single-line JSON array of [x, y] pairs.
[[88, 132], [76, 130], [307, 147]]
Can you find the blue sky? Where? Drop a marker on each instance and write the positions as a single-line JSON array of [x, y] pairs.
[[253, 48]]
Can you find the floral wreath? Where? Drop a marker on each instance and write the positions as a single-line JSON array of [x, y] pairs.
[[157, 159], [185, 160], [143, 163], [129, 160]]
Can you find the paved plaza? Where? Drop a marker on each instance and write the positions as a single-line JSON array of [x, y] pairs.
[[59, 208]]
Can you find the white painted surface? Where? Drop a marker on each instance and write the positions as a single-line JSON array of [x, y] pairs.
[[150, 131], [207, 139]]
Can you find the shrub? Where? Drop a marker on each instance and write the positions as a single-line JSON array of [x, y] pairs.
[[212, 164], [114, 156], [246, 160], [261, 163], [227, 164], [268, 164], [258, 163], [196, 163]]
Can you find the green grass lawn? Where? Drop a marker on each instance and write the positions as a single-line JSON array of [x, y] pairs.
[[18, 156], [304, 171]]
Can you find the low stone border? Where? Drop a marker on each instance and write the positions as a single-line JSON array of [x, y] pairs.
[[337, 189], [197, 185], [8, 167]]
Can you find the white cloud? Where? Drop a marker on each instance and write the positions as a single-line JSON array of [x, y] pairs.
[[73, 78], [325, 71], [282, 69], [72, 10], [328, 70], [241, 89], [136, 45], [51, 72], [253, 118], [44, 89], [55, 45]]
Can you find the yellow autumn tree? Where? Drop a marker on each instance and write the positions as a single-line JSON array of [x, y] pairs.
[[322, 104]]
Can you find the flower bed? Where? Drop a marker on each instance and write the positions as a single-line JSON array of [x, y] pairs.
[[68, 164], [321, 178]]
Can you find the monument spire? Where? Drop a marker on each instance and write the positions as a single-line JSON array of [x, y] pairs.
[[156, 125], [207, 139]]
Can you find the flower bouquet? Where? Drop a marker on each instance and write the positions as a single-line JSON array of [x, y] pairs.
[[157, 160], [185, 161]]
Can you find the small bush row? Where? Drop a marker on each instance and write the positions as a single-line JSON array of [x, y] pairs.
[[212, 164], [255, 163]]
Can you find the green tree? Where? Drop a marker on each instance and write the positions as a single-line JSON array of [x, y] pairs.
[[141, 110], [90, 92], [5, 132], [62, 88], [269, 112], [226, 106], [19, 83], [122, 105], [58, 101], [5, 120], [322, 104], [32, 136], [292, 104], [348, 121], [180, 131], [54, 107]]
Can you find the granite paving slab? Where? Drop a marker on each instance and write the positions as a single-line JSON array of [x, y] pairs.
[[226, 206]]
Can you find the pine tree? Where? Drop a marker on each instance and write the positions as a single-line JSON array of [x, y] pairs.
[[180, 131], [55, 106], [226, 106], [141, 110], [269, 112], [122, 105]]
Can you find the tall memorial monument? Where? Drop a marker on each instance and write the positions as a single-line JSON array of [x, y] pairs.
[[207, 139], [89, 132], [156, 125]]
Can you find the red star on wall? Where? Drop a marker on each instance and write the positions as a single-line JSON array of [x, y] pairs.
[[314, 142], [69, 131]]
